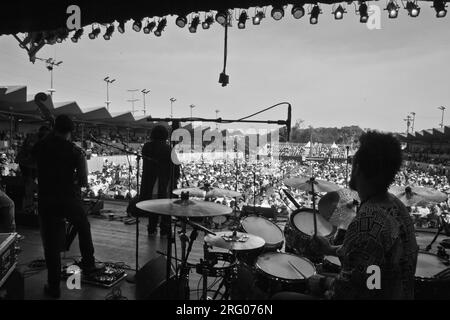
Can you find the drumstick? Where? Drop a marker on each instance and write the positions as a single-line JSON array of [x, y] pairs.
[[295, 268]]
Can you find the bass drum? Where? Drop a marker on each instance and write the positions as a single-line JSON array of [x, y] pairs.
[[432, 277], [299, 231]]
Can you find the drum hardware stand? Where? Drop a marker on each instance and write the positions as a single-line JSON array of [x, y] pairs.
[[131, 278], [443, 226], [312, 180]]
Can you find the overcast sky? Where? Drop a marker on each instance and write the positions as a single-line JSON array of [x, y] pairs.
[[334, 74]]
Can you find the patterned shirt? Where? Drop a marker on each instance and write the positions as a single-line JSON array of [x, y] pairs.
[[383, 235]]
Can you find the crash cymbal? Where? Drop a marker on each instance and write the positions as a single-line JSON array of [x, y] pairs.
[[193, 192], [414, 196], [184, 208], [305, 184], [339, 207], [208, 192], [235, 241]]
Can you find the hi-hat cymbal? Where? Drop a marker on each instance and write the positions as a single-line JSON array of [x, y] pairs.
[[338, 207], [414, 196], [237, 241], [184, 208], [306, 184], [208, 192]]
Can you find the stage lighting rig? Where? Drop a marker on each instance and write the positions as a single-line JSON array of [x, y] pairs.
[[194, 24], [209, 20], [440, 8], [277, 12], [181, 21], [259, 15], [161, 26], [109, 32], [363, 12], [413, 9], [297, 11], [242, 20], [94, 33], [339, 12], [137, 25], [315, 12], [392, 9], [77, 35]]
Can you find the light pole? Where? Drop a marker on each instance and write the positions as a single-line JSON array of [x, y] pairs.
[[144, 93], [217, 117], [408, 123], [108, 82], [172, 100], [51, 64], [132, 100], [413, 121], [442, 108]]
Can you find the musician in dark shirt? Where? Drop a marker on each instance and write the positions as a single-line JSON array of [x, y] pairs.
[[159, 175], [62, 172]]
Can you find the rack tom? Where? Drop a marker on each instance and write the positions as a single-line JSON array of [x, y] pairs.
[[299, 231]]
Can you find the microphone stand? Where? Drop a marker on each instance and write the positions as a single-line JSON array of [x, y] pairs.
[[132, 278]]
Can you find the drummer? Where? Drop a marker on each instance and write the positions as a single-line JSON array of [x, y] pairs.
[[382, 233]]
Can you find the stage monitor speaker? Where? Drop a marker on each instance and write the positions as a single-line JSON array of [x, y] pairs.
[[151, 282]]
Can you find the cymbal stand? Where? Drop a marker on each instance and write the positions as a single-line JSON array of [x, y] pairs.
[[312, 180]]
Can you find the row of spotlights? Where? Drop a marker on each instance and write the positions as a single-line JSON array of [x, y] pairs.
[[222, 17]]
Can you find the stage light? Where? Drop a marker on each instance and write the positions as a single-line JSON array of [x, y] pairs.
[[363, 13], [137, 25], [50, 38], [339, 13], [161, 25], [242, 19], [208, 22], [181, 21], [392, 9], [298, 11], [413, 9], [38, 38], [77, 35], [147, 29], [277, 13], [258, 17], [222, 17], [121, 26], [194, 24], [109, 32], [314, 19], [439, 6], [94, 34], [62, 35]]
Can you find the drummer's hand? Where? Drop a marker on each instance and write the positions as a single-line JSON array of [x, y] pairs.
[[321, 245]]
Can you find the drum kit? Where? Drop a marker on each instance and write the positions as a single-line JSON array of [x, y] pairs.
[[278, 260]]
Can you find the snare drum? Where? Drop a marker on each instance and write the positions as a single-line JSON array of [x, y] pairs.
[[261, 227], [432, 277], [277, 271], [299, 231]]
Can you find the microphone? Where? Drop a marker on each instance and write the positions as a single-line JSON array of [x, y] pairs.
[[288, 123]]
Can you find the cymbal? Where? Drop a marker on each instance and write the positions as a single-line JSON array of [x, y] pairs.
[[184, 208], [208, 192], [338, 207], [305, 184], [414, 196], [235, 241]]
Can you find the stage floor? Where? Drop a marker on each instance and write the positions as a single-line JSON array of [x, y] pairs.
[[114, 241]]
